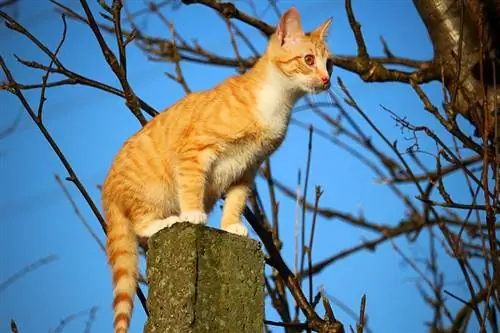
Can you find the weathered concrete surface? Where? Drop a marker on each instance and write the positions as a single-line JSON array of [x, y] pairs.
[[204, 280]]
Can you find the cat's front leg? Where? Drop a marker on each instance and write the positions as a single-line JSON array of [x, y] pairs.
[[192, 175], [236, 198]]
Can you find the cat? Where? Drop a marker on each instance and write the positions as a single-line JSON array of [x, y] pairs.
[[207, 144]]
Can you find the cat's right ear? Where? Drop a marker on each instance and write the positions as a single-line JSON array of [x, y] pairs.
[[289, 29]]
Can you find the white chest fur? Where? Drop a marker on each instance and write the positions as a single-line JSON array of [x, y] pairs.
[[274, 104]]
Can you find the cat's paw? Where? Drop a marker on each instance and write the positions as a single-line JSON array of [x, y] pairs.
[[155, 226], [237, 229], [171, 220], [194, 217]]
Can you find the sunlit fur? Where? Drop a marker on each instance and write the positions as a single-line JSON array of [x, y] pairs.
[[207, 144]]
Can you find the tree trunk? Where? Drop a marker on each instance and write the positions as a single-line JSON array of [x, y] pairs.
[[471, 24]]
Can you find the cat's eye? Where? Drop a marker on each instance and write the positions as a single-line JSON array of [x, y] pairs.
[[309, 59], [329, 66]]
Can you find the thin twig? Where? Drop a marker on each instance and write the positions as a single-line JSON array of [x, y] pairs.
[[304, 199], [69, 318], [27, 269], [13, 326], [79, 214], [361, 323], [49, 70], [311, 239], [131, 100], [230, 11]]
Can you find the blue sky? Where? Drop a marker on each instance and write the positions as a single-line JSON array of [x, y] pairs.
[[90, 126]]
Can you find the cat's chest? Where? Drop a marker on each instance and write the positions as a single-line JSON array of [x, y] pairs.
[[273, 110], [239, 158]]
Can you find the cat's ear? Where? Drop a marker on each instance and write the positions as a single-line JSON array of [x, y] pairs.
[[323, 30], [289, 29]]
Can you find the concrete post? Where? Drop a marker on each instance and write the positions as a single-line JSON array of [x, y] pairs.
[[204, 280]]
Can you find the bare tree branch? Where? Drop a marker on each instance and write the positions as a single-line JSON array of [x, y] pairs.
[[25, 270]]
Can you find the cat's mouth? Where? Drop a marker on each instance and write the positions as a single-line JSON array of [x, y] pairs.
[[326, 85], [317, 88]]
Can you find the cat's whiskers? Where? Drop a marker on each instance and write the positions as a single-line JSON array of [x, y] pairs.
[[332, 91], [313, 95]]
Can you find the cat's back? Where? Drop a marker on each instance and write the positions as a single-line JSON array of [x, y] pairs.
[[229, 104], [173, 119]]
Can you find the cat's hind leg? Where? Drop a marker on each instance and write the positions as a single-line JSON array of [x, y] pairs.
[[151, 227]]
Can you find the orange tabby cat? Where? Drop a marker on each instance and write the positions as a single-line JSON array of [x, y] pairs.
[[207, 144]]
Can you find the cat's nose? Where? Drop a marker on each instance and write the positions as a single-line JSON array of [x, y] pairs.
[[325, 79]]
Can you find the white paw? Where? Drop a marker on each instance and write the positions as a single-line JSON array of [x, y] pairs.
[[237, 229], [194, 217], [156, 225], [171, 220]]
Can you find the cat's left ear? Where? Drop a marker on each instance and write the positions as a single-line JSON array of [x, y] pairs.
[[323, 30], [289, 29]]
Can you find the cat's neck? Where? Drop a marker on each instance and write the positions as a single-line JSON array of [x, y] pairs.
[[275, 93]]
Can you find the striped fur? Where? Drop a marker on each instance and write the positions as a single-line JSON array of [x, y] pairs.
[[207, 144]]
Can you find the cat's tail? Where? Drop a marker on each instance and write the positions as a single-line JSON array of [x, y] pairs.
[[121, 247]]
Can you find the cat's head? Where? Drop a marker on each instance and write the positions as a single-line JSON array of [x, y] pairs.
[[303, 58]]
